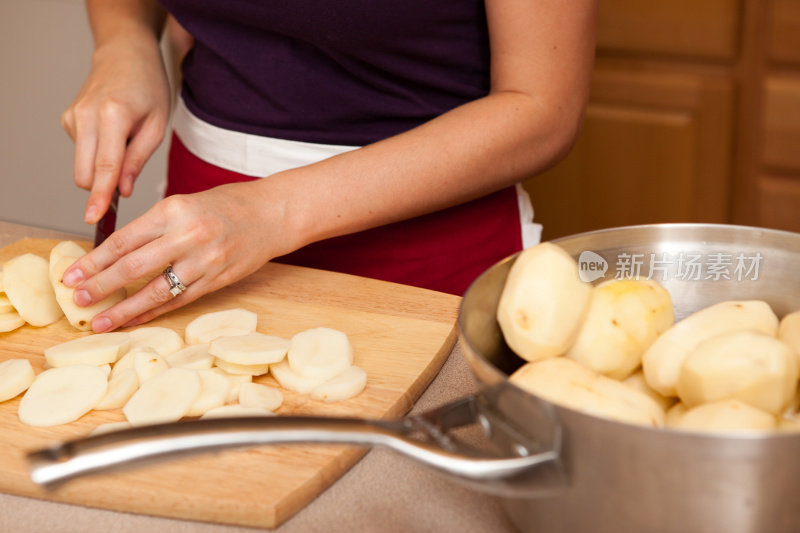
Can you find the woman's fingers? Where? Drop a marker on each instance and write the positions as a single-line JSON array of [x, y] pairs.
[[141, 146]]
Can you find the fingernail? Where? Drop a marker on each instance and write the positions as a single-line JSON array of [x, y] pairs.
[[101, 324], [82, 297], [91, 214], [73, 277]]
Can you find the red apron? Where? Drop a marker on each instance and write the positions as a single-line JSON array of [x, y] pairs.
[[443, 251]]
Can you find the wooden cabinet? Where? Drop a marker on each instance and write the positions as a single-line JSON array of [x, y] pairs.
[[694, 116]]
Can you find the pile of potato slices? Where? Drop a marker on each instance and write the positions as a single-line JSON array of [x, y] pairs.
[[154, 374], [614, 350]]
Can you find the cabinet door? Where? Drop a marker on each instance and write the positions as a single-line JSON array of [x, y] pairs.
[[655, 147]]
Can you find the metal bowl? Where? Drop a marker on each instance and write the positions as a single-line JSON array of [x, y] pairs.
[[629, 478]]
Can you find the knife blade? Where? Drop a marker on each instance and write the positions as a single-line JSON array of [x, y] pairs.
[[106, 225]]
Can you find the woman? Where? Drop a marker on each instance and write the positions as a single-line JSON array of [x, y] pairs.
[[390, 138]]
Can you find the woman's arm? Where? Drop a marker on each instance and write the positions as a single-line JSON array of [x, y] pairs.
[[541, 57], [119, 116]]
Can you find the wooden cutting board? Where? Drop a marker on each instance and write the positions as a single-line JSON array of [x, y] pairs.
[[401, 335]]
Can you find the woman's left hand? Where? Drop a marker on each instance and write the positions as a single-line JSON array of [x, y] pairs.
[[211, 239]]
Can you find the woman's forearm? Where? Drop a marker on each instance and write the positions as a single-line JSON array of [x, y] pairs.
[[125, 18]]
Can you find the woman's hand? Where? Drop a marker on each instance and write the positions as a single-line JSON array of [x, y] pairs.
[[118, 119], [211, 239]]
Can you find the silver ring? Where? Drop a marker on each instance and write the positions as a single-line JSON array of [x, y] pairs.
[[176, 286]]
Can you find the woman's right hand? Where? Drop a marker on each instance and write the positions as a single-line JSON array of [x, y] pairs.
[[118, 119]]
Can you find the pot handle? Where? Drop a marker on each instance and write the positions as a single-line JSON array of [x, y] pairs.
[[425, 438]]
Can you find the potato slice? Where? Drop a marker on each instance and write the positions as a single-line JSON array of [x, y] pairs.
[[214, 389], [236, 381], [662, 361], [563, 381], [543, 303], [229, 322], [10, 321], [291, 380], [341, 387], [148, 364], [164, 398], [748, 366], [2, 289], [16, 375], [120, 389], [62, 395], [96, 349], [726, 416], [195, 357], [164, 341], [235, 411], [5, 305], [624, 318], [261, 396], [789, 332], [27, 284], [244, 370], [320, 353], [109, 427], [252, 349]]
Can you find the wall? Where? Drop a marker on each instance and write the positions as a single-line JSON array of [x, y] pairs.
[[45, 53]]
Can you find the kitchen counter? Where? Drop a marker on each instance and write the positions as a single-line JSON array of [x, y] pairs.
[[382, 492]]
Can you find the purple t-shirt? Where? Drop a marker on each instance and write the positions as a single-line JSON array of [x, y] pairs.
[[331, 71]]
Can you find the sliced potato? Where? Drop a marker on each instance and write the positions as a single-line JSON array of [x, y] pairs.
[[320, 353], [229, 322], [565, 382], [343, 386], [755, 368], [251, 349], [291, 380], [244, 370], [624, 318], [214, 389], [235, 411], [62, 395], [662, 361], [726, 416], [120, 389], [195, 357], [166, 397], [65, 250], [261, 396], [10, 321], [16, 375], [96, 349], [26, 282], [236, 381], [109, 427], [543, 303], [5, 305], [164, 341], [148, 364]]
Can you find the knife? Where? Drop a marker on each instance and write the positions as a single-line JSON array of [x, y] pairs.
[[105, 226]]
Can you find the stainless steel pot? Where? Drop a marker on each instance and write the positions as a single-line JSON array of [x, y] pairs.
[[558, 470]]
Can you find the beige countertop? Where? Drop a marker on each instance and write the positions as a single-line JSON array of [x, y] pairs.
[[382, 492]]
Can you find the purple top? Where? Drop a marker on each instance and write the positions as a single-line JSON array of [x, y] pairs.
[[331, 71]]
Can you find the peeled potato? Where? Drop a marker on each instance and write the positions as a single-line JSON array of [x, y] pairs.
[[62, 395], [195, 356], [65, 250], [343, 386], [291, 380], [166, 397], [258, 395], [16, 375], [229, 322], [5, 305], [244, 370], [674, 414], [543, 303], [27, 284], [148, 364], [214, 389], [789, 331], [120, 389], [235, 380], [567, 383], [623, 320], [637, 382], [726, 416], [79, 317], [752, 367], [662, 361]]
